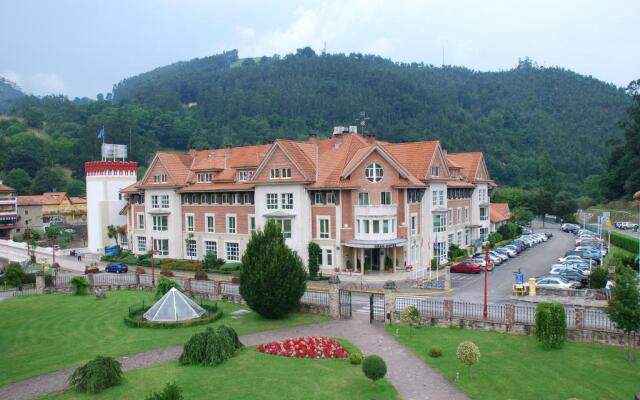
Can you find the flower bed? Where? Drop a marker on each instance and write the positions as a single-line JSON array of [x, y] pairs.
[[305, 347]]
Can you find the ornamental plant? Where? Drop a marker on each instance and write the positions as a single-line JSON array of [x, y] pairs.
[[96, 375], [314, 256], [211, 347], [374, 367], [170, 392], [410, 316], [624, 308], [164, 285], [551, 324], [435, 352], [305, 347], [272, 276], [356, 358], [468, 353], [79, 285]]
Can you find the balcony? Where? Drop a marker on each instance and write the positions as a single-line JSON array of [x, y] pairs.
[[376, 211]]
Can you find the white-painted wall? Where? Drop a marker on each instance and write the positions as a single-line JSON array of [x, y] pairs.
[[174, 221]]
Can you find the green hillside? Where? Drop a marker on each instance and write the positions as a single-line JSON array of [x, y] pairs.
[[9, 94]]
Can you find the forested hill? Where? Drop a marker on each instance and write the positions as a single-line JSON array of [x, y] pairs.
[[9, 94], [518, 117]]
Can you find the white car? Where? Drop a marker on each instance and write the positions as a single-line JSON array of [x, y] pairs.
[[571, 257], [510, 251], [558, 268], [500, 256], [554, 282]]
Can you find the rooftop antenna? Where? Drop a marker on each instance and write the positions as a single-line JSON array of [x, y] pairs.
[[362, 120]]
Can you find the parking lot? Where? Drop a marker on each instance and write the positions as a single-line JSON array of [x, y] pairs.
[[532, 262]]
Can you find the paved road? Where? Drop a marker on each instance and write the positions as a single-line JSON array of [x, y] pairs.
[[532, 262]]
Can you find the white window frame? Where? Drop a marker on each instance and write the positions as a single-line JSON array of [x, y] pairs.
[[435, 171], [205, 177], [434, 197], [484, 217], [330, 198], [318, 198], [226, 251], [206, 248], [155, 203], [414, 224], [285, 173], [140, 217], [189, 217], [287, 201], [287, 233], [321, 234], [327, 256], [191, 248], [443, 223], [383, 198], [459, 215], [244, 176], [158, 227], [232, 230], [159, 250], [272, 201], [374, 172], [441, 197], [274, 173], [361, 196], [141, 240], [164, 200], [449, 216], [251, 223], [466, 214], [207, 227]]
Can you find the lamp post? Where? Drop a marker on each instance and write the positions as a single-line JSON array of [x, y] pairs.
[[487, 261], [153, 270], [636, 197]]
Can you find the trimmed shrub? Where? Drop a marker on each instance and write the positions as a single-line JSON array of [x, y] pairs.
[[508, 230], [551, 324], [435, 352], [314, 256], [456, 252], [96, 375], [468, 353], [625, 242], [211, 347], [164, 285], [598, 278], [14, 275], [79, 285], [355, 358], [374, 367], [411, 316], [272, 276], [494, 238], [170, 392], [230, 267]]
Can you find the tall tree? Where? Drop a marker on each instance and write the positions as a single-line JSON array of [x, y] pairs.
[[624, 308], [18, 179], [49, 179]]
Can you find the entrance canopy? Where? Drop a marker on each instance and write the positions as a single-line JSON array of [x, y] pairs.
[[375, 244], [174, 306]]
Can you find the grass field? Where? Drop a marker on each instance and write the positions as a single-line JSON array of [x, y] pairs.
[[251, 375], [40, 334], [517, 367]]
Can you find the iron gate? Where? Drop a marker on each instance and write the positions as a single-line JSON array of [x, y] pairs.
[[376, 307], [345, 303]]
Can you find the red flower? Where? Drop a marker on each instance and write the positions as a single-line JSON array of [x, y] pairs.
[[305, 347]]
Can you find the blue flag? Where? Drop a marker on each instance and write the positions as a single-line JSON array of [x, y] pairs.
[[100, 133]]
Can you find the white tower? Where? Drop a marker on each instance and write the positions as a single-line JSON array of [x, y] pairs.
[[104, 180]]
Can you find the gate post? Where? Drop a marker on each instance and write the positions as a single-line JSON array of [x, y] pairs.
[[448, 309], [447, 279], [508, 314], [390, 293], [40, 283], [334, 297], [579, 317]]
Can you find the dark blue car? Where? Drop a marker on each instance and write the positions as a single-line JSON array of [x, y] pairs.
[[117, 268]]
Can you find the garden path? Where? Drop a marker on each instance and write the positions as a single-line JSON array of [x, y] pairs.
[[412, 378]]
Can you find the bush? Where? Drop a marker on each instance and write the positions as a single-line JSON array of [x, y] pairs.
[[272, 276], [598, 278], [211, 261], [435, 352], [374, 367], [456, 252], [468, 353], [551, 324], [96, 375], [170, 392], [164, 285], [494, 238], [230, 267], [508, 230], [356, 358], [79, 285], [625, 242], [201, 276], [211, 347], [314, 257], [14, 275], [411, 316]]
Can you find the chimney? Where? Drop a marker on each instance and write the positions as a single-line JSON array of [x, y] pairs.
[[371, 138], [313, 138]]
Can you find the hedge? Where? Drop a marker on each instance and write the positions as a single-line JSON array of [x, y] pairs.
[[625, 242], [134, 319]]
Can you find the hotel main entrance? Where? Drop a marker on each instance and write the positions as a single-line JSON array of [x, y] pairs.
[[373, 257]]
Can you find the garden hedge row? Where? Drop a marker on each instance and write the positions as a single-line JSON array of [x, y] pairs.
[[133, 319], [625, 242]]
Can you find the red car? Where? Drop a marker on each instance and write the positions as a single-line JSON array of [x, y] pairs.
[[466, 266]]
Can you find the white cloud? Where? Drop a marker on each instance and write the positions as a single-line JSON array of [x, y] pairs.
[[245, 32], [12, 76], [47, 83]]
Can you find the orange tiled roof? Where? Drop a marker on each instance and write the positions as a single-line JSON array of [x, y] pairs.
[[5, 188], [45, 199], [469, 162], [78, 200], [415, 156], [133, 188], [499, 212]]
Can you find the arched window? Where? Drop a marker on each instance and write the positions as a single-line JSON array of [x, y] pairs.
[[374, 172]]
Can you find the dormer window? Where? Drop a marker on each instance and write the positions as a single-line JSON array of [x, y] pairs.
[[205, 177], [435, 171], [160, 178], [244, 176], [374, 172]]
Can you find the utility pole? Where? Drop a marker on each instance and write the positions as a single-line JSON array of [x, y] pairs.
[[487, 262]]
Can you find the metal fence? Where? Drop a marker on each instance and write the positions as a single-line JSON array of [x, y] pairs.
[[524, 314], [433, 308], [315, 297], [571, 317], [113, 279], [596, 319], [202, 286], [230, 288], [25, 292]]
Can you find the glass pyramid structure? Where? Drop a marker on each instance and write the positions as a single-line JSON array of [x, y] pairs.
[[174, 306]]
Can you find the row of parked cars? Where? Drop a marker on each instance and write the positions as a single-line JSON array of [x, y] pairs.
[[497, 256], [572, 271]]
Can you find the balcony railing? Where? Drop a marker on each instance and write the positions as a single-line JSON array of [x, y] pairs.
[[376, 210]]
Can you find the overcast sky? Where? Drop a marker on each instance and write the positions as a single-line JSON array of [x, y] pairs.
[[81, 48]]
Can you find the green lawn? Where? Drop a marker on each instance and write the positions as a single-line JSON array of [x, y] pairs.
[[517, 367], [40, 334], [251, 375]]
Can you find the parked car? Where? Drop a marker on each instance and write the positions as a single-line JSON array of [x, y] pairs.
[[554, 282], [569, 227], [513, 247], [509, 252], [495, 260], [117, 268], [575, 276], [466, 266], [481, 262], [502, 257]]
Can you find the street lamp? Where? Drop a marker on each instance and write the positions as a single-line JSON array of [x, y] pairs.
[[487, 245]]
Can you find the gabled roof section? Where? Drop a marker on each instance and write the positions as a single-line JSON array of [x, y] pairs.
[[473, 166], [364, 152], [133, 188], [499, 212], [176, 166], [5, 188], [415, 156], [301, 154], [45, 199]]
